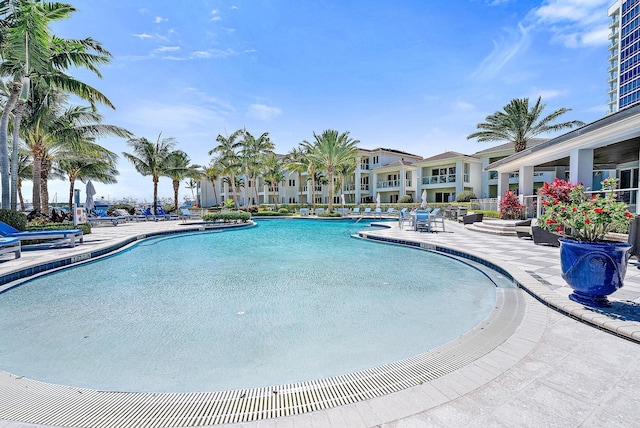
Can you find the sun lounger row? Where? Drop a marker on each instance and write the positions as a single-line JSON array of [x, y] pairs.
[[68, 237]]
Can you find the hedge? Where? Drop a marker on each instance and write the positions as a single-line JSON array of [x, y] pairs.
[[226, 217]]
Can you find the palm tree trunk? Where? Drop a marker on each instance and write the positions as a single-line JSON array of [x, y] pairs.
[[233, 191], [44, 187], [72, 181], [20, 105], [215, 194], [4, 144], [155, 195], [37, 167], [330, 173], [22, 207], [313, 188], [176, 187]]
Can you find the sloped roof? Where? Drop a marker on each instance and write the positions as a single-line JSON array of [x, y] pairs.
[[447, 155], [509, 146], [382, 149], [395, 163]]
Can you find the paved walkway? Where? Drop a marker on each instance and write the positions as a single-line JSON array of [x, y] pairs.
[[553, 371]]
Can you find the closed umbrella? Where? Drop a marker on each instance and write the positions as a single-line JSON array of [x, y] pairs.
[[88, 204], [342, 199], [378, 201], [423, 204]]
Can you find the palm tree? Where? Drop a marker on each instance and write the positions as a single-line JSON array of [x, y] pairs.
[[25, 171], [228, 159], [49, 126], [272, 172], [329, 150], [295, 161], [212, 173], [344, 170], [518, 123], [150, 159], [31, 55], [91, 162], [192, 184], [251, 152], [178, 167]]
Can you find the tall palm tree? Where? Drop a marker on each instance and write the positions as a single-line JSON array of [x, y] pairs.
[[296, 161], [272, 172], [91, 162], [192, 184], [518, 123], [329, 150], [228, 159], [212, 172], [178, 167], [25, 171], [252, 151], [344, 170], [50, 125], [30, 54], [150, 159]]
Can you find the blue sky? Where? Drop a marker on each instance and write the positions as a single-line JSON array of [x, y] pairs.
[[411, 75]]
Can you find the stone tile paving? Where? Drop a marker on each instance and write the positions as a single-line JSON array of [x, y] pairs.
[[555, 371]]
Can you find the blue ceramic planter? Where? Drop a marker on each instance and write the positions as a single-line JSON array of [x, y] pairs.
[[593, 270]]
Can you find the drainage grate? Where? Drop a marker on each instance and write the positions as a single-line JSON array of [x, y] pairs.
[[36, 402]]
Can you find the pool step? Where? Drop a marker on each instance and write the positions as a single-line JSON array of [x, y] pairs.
[[494, 227]]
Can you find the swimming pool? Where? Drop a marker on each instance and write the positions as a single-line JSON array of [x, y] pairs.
[[199, 313]]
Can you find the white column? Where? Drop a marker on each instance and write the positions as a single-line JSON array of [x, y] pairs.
[[403, 181], [581, 167], [418, 186], [525, 182], [459, 177], [503, 183], [358, 190]]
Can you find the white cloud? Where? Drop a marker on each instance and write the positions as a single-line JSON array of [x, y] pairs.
[[215, 16], [574, 23], [503, 52], [546, 94], [159, 19], [143, 36], [463, 105], [263, 112], [168, 48]]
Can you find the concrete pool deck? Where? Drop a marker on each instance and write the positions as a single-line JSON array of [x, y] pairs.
[[553, 371]]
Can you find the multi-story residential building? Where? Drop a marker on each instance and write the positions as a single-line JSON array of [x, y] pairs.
[[624, 54], [391, 174]]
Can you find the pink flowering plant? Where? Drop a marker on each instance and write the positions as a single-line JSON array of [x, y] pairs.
[[510, 207], [571, 213]]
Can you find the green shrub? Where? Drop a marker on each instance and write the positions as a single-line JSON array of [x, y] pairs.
[[283, 210], [267, 213], [14, 218], [226, 217], [465, 196], [488, 214], [229, 204], [330, 214], [405, 199], [85, 227]]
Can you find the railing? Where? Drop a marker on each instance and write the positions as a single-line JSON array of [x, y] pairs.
[[407, 183], [364, 187], [485, 204], [387, 184], [439, 179]]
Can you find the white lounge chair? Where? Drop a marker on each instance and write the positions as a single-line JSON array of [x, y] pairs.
[[10, 245]]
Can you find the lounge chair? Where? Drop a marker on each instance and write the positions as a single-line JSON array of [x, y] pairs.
[[10, 245], [188, 215], [129, 217], [304, 212], [97, 217], [68, 235], [367, 211], [377, 213], [356, 211], [403, 217], [319, 211], [167, 216], [391, 211]]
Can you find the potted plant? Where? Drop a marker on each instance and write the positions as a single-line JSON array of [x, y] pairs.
[[592, 266]]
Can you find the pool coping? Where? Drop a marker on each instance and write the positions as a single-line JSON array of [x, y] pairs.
[[529, 331]]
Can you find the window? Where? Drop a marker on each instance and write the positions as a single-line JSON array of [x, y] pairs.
[[292, 183], [376, 159], [364, 163]]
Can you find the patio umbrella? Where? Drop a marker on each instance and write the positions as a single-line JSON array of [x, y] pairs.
[[342, 199], [423, 204], [378, 201], [88, 204]]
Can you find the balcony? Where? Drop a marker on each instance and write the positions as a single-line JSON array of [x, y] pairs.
[[612, 68], [364, 187], [388, 184], [439, 179]]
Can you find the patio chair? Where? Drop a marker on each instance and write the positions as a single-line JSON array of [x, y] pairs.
[[435, 217], [10, 245], [319, 211], [129, 217], [304, 212], [69, 236], [167, 215], [356, 211], [377, 213], [367, 211], [403, 217], [391, 211], [422, 221], [151, 216]]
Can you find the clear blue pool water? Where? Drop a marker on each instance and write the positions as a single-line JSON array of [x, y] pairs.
[[283, 302]]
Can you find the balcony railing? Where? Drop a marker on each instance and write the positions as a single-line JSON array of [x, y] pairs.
[[388, 184], [407, 183], [439, 179], [364, 187]]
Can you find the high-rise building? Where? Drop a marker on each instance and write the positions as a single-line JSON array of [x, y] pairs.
[[624, 55]]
